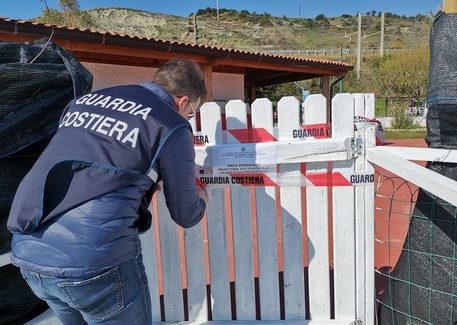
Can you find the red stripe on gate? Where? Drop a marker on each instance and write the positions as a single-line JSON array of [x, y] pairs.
[[318, 131], [251, 179], [252, 135], [328, 179]]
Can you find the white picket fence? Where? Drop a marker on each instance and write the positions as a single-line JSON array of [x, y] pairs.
[[278, 257]]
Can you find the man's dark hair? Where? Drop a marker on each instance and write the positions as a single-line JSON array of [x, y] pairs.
[[182, 78]]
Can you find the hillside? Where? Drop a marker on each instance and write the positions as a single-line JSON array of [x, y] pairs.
[[256, 32]]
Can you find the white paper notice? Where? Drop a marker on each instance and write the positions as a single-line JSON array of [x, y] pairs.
[[248, 158]]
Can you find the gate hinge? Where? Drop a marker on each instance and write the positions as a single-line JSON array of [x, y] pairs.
[[357, 146]]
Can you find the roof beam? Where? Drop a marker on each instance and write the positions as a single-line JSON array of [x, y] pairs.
[[128, 51], [118, 59], [287, 78], [332, 71], [262, 75]]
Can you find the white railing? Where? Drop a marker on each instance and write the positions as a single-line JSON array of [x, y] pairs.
[[396, 160]]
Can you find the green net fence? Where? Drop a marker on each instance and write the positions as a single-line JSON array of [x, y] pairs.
[[415, 255]]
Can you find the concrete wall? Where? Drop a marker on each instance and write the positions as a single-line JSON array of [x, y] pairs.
[[107, 75], [226, 86]]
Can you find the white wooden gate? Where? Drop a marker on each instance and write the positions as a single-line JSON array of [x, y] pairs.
[[243, 238], [300, 252]]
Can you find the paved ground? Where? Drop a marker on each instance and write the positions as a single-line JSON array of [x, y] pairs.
[[394, 202]]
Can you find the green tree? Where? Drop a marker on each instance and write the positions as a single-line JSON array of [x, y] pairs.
[[276, 92], [71, 15], [402, 74], [69, 5]]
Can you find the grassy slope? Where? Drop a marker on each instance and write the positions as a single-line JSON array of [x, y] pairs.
[[260, 32]]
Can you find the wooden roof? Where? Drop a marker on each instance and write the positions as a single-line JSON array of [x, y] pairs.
[[98, 46]]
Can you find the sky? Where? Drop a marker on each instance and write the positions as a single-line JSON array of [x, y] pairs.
[[26, 9]]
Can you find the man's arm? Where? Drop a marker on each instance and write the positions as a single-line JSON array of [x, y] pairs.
[[185, 201]]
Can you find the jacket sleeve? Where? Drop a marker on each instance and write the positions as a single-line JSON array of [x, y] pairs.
[[177, 171]]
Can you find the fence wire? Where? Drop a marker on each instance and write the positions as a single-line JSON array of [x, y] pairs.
[[415, 255]]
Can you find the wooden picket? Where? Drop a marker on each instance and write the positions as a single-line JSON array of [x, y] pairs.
[[291, 214], [344, 217], [262, 117], [149, 242], [364, 107], [195, 271], [236, 115], [169, 248], [317, 207], [298, 220], [217, 226], [369, 138]]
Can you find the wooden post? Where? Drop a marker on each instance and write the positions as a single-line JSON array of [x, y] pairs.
[[253, 93], [450, 6], [326, 93], [208, 73]]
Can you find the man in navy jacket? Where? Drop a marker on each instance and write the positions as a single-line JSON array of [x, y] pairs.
[[76, 215]]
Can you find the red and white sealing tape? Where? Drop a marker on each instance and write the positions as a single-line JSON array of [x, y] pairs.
[[286, 179], [361, 123], [257, 135], [313, 131], [224, 174]]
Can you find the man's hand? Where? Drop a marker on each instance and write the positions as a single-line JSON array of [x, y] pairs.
[[201, 189], [203, 194]]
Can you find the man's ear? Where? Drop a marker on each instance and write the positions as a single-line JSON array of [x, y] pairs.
[[182, 102]]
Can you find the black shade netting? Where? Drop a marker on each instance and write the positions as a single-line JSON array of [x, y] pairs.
[[13, 168], [422, 288], [37, 81], [442, 87], [18, 304]]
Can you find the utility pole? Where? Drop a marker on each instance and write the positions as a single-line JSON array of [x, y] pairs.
[[359, 44], [299, 10], [381, 46], [217, 10]]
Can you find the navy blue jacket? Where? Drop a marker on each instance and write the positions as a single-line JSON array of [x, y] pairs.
[[79, 209]]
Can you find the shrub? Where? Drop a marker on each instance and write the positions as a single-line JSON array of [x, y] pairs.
[[401, 120]]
